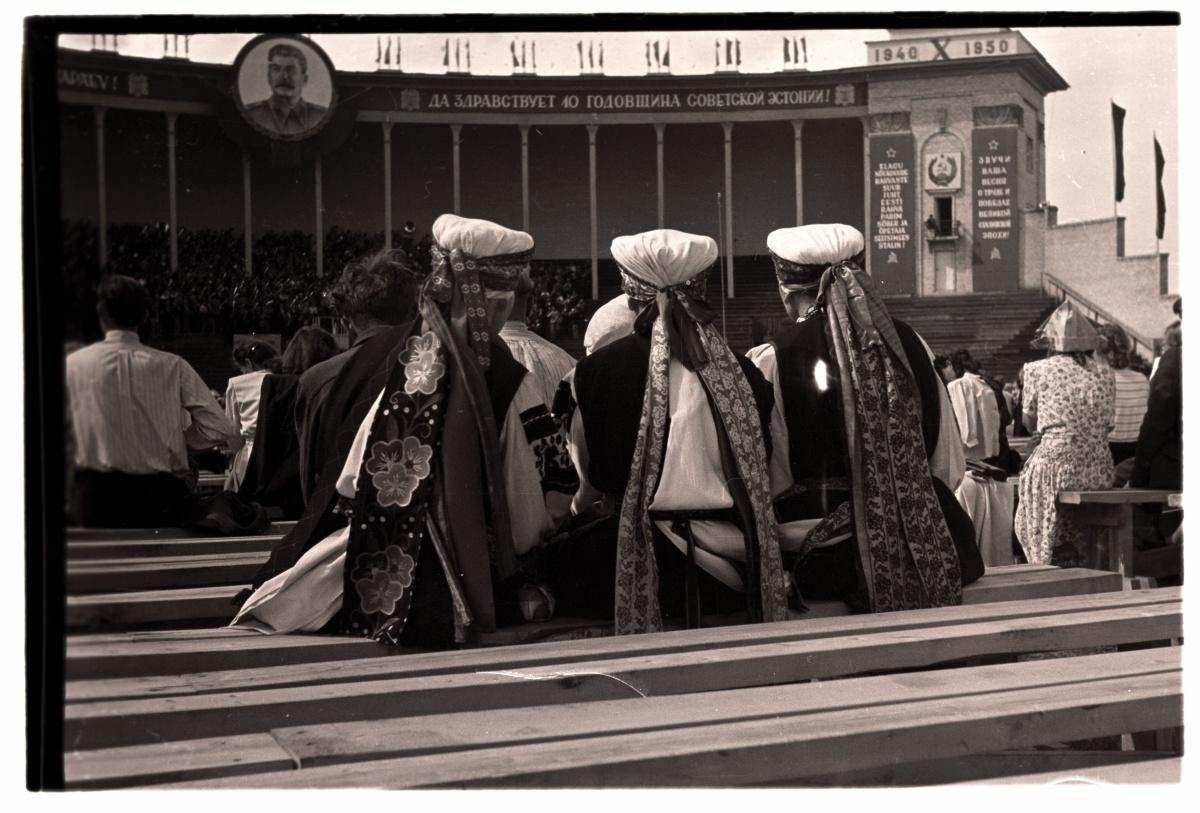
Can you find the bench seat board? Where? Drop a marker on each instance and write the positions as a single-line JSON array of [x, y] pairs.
[[77, 534], [803, 730], [99, 723], [79, 552], [211, 652], [451, 733]]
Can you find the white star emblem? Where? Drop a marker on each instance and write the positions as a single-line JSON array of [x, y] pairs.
[[993, 144], [891, 153]]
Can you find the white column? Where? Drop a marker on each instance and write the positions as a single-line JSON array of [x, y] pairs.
[[658, 137], [320, 217], [525, 176], [456, 135], [101, 184], [246, 212], [172, 187], [591, 129], [798, 132], [728, 127], [387, 184]]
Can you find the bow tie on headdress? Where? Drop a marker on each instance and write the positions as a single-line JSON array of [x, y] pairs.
[[682, 306], [460, 280]]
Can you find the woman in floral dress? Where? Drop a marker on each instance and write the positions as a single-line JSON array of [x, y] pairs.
[[1069, 402]]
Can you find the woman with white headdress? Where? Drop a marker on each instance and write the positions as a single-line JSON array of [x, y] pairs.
[[669, 434], [442, 490], [1069, 401]]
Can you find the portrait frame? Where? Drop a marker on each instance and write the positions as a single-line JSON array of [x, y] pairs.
[[251, 89]]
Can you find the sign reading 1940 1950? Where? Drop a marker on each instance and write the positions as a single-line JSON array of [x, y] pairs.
[[943, 48]]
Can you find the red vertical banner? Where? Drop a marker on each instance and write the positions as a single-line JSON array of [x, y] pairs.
[[893, 256], [996, 248]]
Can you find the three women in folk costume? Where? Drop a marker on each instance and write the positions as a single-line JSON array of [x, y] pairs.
[[679, 445]]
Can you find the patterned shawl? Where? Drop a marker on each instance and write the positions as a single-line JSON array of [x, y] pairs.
[[433, 443], [679, 321], [905, 548]]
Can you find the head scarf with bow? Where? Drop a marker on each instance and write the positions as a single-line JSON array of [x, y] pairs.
[[905, 550], [666, 271], [471, 257], [1067, 331]]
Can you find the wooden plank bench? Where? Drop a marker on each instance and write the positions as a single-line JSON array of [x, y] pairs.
[[90, 550], [163, 572], [78, 534], [132, 711], [763, 735], [1107, 514], [130, 610]]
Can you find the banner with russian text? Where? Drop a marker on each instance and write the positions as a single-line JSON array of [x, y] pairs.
[[996, 244], [892, 259]]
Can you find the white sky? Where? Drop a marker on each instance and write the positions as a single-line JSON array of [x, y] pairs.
[[1137, 67]]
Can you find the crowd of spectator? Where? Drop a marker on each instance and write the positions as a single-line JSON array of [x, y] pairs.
[[212, 293]]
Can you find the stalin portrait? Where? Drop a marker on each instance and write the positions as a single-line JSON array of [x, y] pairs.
[[286, 112]]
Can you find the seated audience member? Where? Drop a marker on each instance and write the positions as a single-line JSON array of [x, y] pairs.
[[1158, 460], [273, 472], [966, 369], [242, 396], [441, 489], [546, 361], [1068, 403], [373, 294], [975, 408], [1132, 393], [135, 412], [866, 451], [668, 431]]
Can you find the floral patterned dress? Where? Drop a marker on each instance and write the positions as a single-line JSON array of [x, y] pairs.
[[1073, 406]]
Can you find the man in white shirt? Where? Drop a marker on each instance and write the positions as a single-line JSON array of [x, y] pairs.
[[135, 413], [546, 361]]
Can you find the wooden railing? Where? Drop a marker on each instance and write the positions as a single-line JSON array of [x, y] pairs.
[[1053, 286]]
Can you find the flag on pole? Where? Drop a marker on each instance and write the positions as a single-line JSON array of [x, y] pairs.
[[728, 52], [468, 52], [1118, 118], [378, 50], [512, 47], [387, 54], [579, 48], [591, 55], [602, 56], [1159, 163], [647, 55], [667, 55], [739, 53], [533, 54], [717, 55], [804, 44], [457, 54], [446, 54], [657, 55]]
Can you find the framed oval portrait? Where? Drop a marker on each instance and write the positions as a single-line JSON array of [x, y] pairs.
[[284, 86]]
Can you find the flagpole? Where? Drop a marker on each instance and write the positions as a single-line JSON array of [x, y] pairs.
[[1111, 104]]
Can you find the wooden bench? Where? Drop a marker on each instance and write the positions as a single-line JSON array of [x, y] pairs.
[[1107, 514], [164, 572], [78, 534], [727, 706], [143, 549], [211, 604]]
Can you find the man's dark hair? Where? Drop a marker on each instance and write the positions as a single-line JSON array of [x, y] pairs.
[[378, 289], [283, 49], [962, 361], [123, 300]]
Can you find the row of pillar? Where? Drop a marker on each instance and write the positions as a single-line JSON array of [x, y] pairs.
[[456, 142]]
